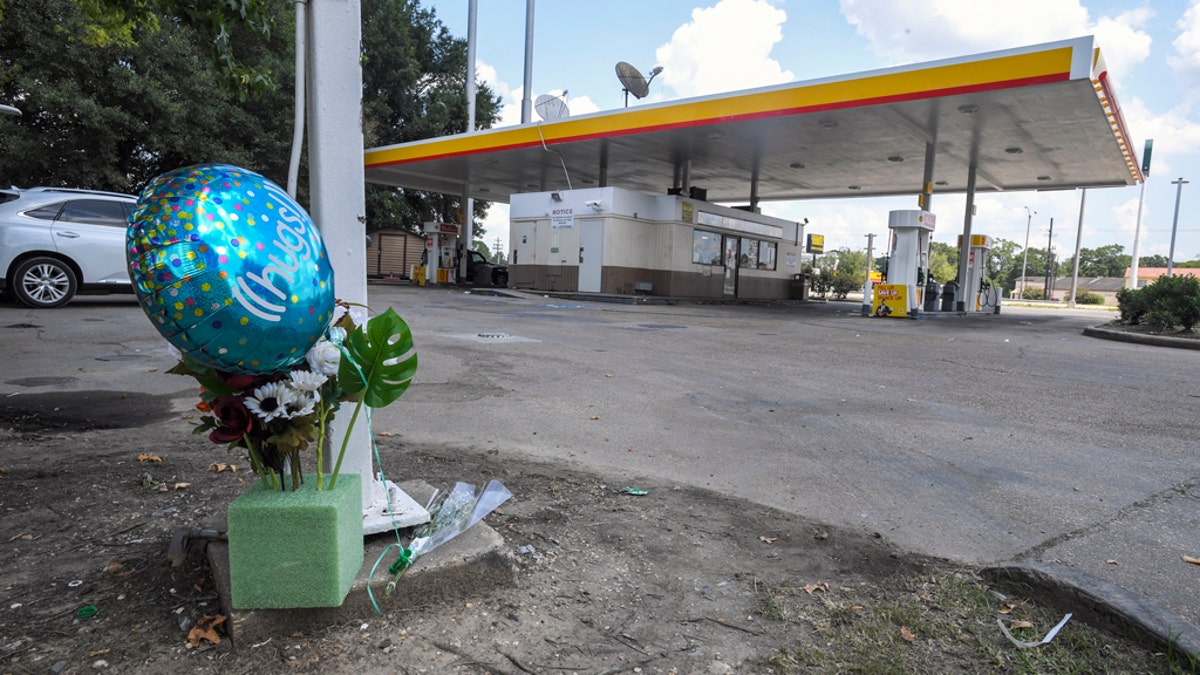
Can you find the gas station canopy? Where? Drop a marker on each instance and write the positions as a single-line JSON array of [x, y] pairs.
[[1033, 118]]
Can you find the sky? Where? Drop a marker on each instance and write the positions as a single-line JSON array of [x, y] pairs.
[[715, 46]]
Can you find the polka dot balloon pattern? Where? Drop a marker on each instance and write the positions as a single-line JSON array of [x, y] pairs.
[[229, 268]]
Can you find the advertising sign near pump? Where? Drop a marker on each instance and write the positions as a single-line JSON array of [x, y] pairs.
[[890, 300]]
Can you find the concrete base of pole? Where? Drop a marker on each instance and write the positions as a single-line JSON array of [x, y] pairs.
[[395, 510]]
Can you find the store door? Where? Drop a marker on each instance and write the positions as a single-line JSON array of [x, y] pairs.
[[731, 266], [591, 254]]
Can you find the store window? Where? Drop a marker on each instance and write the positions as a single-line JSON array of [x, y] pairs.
[[766, 255], [752, 254], [706, 248], [748, 256]]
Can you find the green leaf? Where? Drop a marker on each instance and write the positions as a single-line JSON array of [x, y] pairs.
[[378, 363]]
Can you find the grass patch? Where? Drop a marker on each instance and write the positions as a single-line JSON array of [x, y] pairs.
[[939, 624]]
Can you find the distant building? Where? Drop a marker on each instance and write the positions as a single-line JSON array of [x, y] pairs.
[[1105, 287], [1149, 274]]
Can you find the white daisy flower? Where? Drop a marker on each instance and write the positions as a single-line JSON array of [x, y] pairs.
[[300, 404], [270, 401], [306, 380]]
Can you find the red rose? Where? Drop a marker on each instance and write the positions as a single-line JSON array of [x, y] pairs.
[[235, 418], [238, 381]]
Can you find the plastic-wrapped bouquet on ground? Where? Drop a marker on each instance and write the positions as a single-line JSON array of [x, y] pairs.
[[450, 514]]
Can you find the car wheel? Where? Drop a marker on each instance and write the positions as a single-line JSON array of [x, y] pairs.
[[500, 278], [44, 282]]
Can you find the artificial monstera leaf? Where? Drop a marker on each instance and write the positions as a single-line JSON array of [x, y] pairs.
[[382, 361]]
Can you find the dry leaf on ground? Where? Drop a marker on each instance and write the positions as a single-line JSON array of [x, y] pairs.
[[205, 629]]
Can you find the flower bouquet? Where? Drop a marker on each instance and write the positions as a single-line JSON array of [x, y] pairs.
[[451, 513], [276, 416]]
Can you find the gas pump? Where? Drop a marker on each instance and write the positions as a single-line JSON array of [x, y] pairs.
[[908, 264], [441, 248], [979, 293]]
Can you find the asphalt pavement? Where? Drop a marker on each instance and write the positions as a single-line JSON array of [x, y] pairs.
[[988, 440]]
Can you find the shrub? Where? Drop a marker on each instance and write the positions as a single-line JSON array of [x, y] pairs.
[[1088, 298], [843, 284], [1173, 301], [1032, 294], [1131, 305]]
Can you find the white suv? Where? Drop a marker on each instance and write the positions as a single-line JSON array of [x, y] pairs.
[[56, 242]]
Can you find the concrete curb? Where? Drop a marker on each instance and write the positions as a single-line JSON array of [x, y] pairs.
[[1103, 603], [1138, 338], [472, 564]]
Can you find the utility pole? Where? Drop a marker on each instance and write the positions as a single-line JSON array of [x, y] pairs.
[[1175, 225], [866, 301], [1049, 256]]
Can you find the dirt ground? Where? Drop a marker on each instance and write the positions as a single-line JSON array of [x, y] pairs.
[[93, 484]]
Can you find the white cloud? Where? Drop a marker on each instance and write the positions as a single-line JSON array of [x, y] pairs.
[[1177, 133], [725, 47], [1186, 61], [510, 99], [917, 30]]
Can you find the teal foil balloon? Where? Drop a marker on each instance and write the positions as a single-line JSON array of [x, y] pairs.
[[229, 268]]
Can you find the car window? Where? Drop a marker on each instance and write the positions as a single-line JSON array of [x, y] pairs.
[[94, 212], [477, 257], [48, 212]]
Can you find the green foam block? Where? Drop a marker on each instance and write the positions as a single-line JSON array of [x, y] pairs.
[[295, 549]]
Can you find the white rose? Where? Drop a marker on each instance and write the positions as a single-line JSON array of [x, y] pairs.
[[324, 358]]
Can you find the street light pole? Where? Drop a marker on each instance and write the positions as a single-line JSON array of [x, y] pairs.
[[1025, 261], [1175, 224]]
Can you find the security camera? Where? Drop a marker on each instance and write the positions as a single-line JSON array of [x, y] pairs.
[[594, 203]]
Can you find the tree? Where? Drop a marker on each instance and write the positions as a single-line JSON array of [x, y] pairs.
[[414, 87], [1156, 260], [1004, 259], [943, 262], [222, 25], [1105, 261], [113, 117], [852, 265]]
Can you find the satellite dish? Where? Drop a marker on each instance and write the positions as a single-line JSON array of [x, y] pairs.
[[631, 78], [551, 107], [633, 82]]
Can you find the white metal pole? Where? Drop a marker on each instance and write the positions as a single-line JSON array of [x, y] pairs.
[[1078, 240], [468, 204], [1137, 241], [526, 97], [299, 95], [964, 250], [337, 184]]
